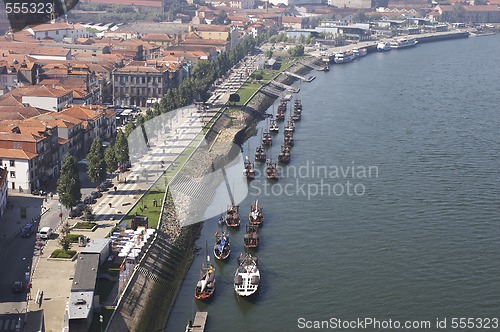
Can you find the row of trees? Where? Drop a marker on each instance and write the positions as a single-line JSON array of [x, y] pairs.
[[106, 160], [100, 162]]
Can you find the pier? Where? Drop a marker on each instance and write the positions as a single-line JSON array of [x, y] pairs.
[[284, 86], [271, 90], [198, 325], [312, 65], [302, 78]]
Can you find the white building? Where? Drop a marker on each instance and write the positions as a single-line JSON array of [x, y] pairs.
[[19, 166], [59, 32], [47, 98]]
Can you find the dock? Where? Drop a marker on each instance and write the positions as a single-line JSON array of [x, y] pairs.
[[284, 86], [198, 325], [312, 65], [302, 78]]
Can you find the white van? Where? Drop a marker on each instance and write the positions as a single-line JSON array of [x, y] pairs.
[[46, 232]]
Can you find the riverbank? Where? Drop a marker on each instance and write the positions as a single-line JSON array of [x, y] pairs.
[[146, 304]]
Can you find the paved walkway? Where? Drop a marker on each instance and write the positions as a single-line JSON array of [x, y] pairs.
[[53, 277]]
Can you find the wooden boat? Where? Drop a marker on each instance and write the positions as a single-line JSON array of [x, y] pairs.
[[271, 170], [222, 247], [288, 140], [297, 106], [280, 115], [256, 216], [247, 275], [205, 286], [249, 170], [296, 116], [251, 238], [233, 216], [273, 127], [284, 156], [260, 154], [267, 139], [290, 125]]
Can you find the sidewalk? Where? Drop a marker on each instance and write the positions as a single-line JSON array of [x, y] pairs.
[[54, 277]]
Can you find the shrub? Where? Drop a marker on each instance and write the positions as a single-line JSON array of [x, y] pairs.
[[73, 238], [85, 225], [59, 253]]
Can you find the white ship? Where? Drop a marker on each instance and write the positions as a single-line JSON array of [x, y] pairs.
[[383, 46], [247, 276], [403, 42], [343, 57]]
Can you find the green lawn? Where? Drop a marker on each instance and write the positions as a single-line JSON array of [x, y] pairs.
[[246, 91]]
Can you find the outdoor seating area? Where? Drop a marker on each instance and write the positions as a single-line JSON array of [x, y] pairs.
[[129, 243]]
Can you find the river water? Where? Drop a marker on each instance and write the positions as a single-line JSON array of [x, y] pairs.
[[393, 211]]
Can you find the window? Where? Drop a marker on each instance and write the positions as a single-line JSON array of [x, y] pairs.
[[12, 174], [12, 163]]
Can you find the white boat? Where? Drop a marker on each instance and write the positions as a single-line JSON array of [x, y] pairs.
[[359, 52], [343, 57], [383, 46], [247, 276], [403, 42]]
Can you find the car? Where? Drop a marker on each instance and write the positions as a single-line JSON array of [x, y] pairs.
[[27, 230], [96, 194], [46, 232], [89, 200], [106, 184], [75, 212], [18, 287]]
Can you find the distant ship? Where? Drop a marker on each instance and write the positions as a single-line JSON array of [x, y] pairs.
[[359, 52], [383, 46], [403, 42], [343, 57]]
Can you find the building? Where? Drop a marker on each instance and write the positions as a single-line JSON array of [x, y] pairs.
[[81, 303], [94, 120], [59, 32], [44, 97], [471, 14], [139, 81], [101, 247], [29, 151], [350, 3]]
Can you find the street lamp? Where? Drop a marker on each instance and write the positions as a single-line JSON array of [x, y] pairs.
[[18, 324]]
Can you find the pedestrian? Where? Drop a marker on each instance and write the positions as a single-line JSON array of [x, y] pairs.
[[40, 300], [51, 195]]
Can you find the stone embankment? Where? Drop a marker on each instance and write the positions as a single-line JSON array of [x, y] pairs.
[[146, 303]]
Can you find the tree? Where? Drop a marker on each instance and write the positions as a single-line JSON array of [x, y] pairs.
[[268, 53], [96, 168], [296, 51], [121, 148], [234, 98], [129, 127], [68, 184], [359, 17], [220, 19], [110, 159], [65, 242]]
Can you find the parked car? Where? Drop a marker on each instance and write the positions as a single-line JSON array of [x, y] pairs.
[[27, 230], [75, 212], [96, 194], [89, 200], [106, 184], [18, 287], [46, 232]]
